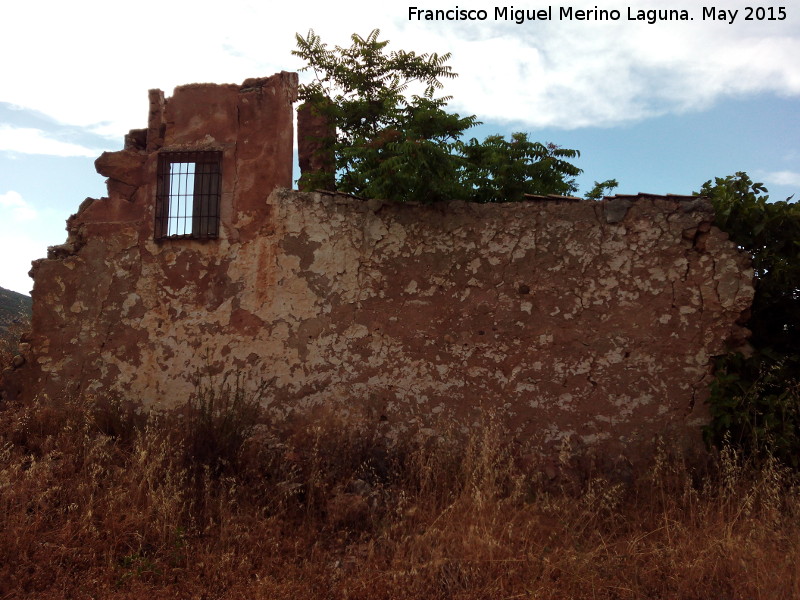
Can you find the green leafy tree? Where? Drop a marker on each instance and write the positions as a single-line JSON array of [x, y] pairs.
[[755, 400], [394, 144], [770, 233], [501, 170], [601, 188], [388, 145]]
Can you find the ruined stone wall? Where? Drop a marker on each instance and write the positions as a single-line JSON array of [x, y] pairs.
[[594, 320]]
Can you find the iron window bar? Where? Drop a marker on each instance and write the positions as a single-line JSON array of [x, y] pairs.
[[188, 191]]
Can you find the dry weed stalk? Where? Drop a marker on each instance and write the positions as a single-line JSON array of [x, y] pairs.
[[100, 499]]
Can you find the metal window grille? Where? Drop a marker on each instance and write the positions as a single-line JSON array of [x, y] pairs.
[[187, 194]]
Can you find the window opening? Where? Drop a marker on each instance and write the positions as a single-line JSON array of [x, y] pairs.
[[188, 194]]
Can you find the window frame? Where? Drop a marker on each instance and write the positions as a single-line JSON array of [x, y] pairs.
[[174, 218]]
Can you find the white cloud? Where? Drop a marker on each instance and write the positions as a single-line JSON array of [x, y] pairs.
[[541, 73], [18, 251], [781, 178], [23, 238], [572, 74], [25, 234], [14, 206], [27, 140]]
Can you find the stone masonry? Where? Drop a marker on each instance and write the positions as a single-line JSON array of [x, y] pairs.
[[596, 321]]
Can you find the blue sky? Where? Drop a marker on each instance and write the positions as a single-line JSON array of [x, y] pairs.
[[661, 107]]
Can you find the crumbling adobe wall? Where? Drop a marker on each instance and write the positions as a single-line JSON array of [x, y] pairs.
[[593, 320], [111, 272]]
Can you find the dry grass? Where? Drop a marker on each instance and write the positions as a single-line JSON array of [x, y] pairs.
[[100, 501], [10, 334]]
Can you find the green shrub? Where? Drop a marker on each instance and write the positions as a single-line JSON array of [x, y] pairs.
[[755, 406], [755, 400]]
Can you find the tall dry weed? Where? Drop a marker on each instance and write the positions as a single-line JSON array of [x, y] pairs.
[[101, 499]]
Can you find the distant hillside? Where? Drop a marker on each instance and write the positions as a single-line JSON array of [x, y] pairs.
[[14, 308]]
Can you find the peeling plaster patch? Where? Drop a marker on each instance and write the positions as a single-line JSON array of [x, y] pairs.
[[375, 231], [619, 261], [564, 401], [701, 358], [130, 301]]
